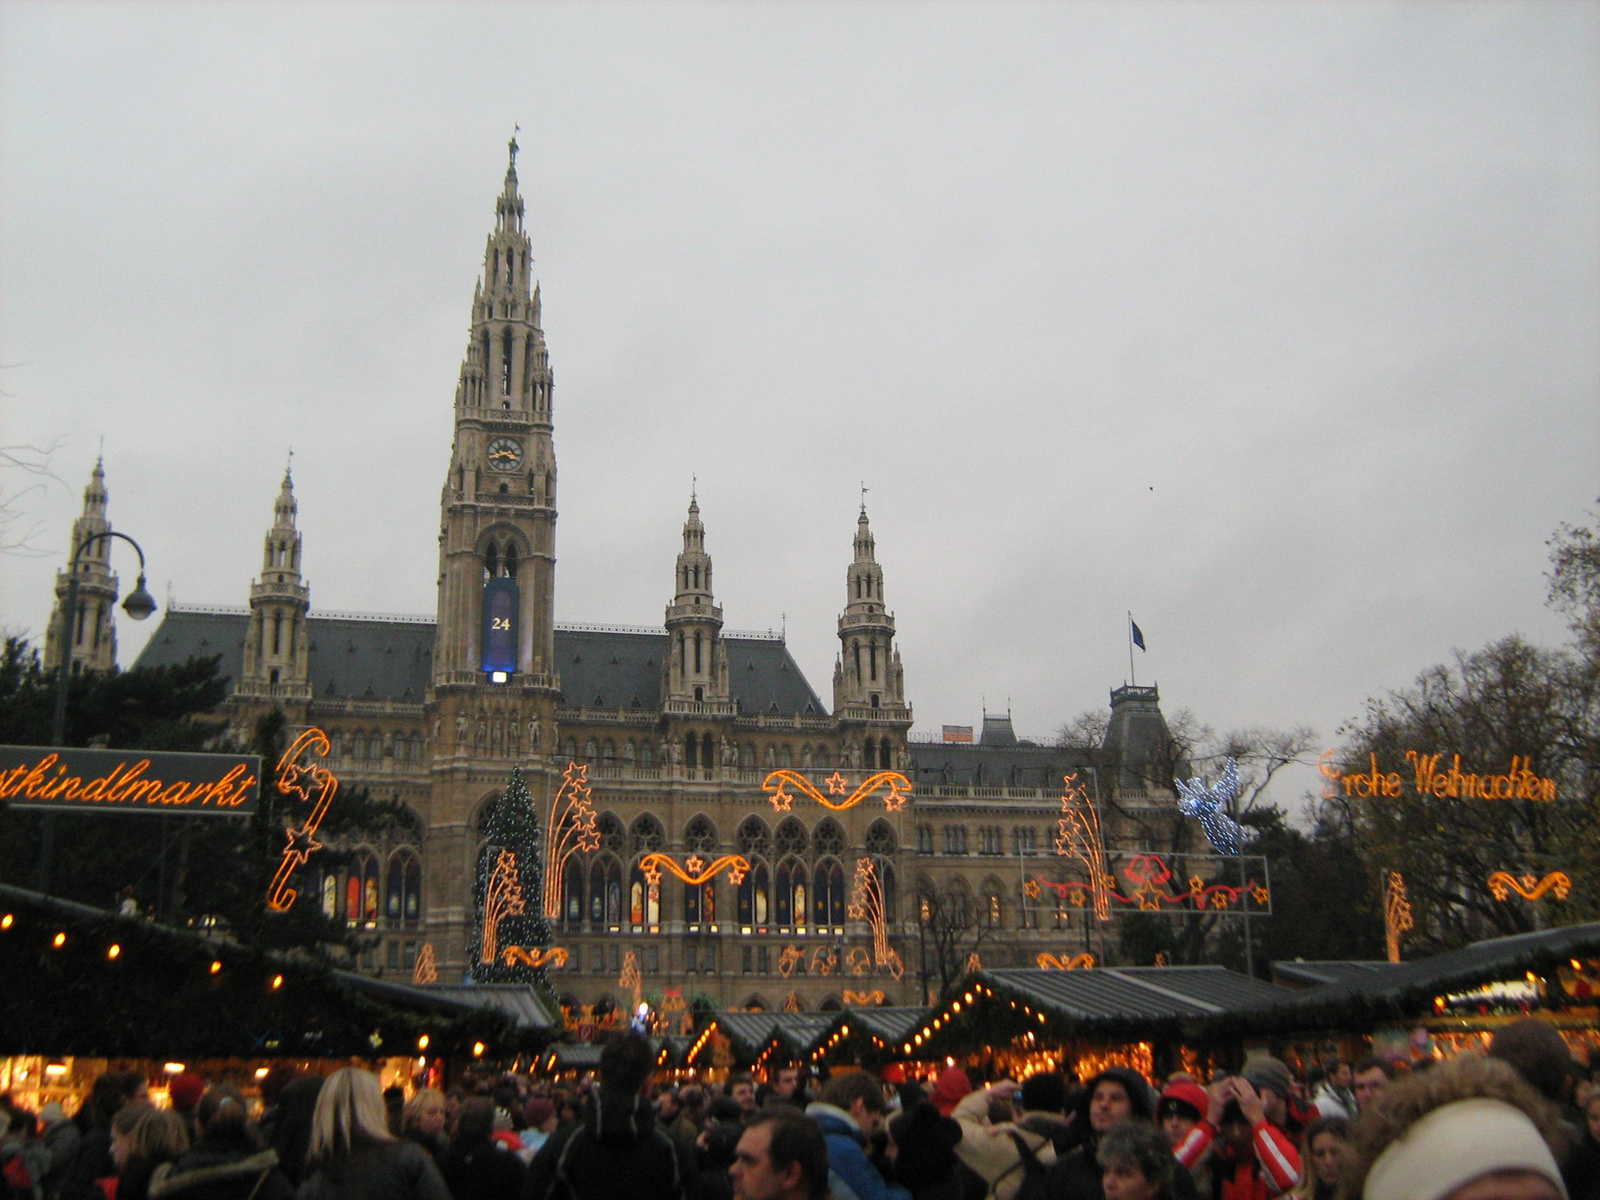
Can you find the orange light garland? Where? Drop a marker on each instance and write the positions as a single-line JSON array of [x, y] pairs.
[[894, 799], [1530, 887], [630, 978], [533, 956], [874, 997], [572, 826], [1079, 962], [694, 871], [1147, 874], [503, 898], [789, 959], [1078, 837], [298, 781]]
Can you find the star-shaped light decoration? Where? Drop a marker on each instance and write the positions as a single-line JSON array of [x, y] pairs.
[[837, 785], [781, 799], [1031, 889], [653, 877], [694, 864], [1207, 803], [1260, 894], [896, 799], [302, 843]]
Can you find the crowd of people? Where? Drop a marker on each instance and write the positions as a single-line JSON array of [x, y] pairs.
[[1520, 1123]]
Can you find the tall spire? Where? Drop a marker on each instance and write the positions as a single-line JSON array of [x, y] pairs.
[[867, 674], [277, 643], [94, 635], [697, 664]]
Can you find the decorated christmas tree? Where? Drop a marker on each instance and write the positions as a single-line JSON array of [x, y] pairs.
[[510, 885]]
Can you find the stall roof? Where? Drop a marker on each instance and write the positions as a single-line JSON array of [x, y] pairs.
[[1121, 994], [1298, 973], [1405, 989], [888, 1024], [572, 1056]]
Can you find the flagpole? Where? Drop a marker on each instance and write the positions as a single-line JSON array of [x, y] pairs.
[[1133, 678]]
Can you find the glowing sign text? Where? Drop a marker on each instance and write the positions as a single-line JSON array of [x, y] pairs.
[[129, 780]]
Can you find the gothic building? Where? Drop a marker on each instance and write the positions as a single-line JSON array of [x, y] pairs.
[[678, 727]]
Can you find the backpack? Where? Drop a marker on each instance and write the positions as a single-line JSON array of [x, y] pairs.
[[1034, 1172]]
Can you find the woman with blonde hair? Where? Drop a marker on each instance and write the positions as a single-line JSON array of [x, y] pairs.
[[353, 1156], [423, 1120], [141, 1140]]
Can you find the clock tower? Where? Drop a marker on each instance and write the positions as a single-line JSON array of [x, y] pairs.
[[493, 696]]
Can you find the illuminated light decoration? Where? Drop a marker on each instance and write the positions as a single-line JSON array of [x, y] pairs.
[[277, 982], [788, 959], [1078, 837], [866, 904], [791, 1002], [7, 921], [503, 899], [426, 970], [824, 961], [1206, 803], [534, 956], [422, 1042], [873, 998], [974, 963], [216, 966], [299, 781], [858, 961], [1530, 887], [573, 827], [1079, 962], [477, 1049], [508, 885], [894, 799], [630, 977], [694, 870], [1519, 782], [173, 1068], [59, 940], [1146, 875], [1396, 913], [113, 950], [1161, 958]]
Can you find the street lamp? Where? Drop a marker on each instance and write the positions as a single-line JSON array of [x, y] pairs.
[[139, 605]]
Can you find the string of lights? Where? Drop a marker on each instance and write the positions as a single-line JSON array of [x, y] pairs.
[[897, 789], [298, 780]]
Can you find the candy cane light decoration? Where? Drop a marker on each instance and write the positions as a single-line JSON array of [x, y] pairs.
[[298, 781]]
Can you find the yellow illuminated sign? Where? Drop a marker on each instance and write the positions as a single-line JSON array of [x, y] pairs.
[[129, 780], [1518, 783]]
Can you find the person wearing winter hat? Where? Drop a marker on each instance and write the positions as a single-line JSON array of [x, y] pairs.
[[185, 1091], [1253, 1154], [1112, 1098], [1183, 1103], [952, 1085], [1469, 1129], [922, 1146]]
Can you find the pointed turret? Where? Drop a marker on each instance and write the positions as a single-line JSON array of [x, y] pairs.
[[868, 681], [94, 635], [277, 646], [697, 663]]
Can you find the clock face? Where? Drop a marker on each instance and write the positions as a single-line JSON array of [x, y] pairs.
[[505, 454]]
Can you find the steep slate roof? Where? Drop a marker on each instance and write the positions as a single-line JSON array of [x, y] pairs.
[[1143, 993], [1018, 764], [392, 659]]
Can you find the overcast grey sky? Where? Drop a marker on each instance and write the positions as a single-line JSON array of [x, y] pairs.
[[1275, 324]]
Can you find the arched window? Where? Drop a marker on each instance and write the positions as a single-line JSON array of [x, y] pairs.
[[394, 897], [869, 753], [647, 835], [572, 895], [805, 757], [328, 889], [881, 839], [827, 895], [605, 893], [647, 754], [828, 839], [791, 837], [747, 757], [691, 750], [644, 902], [590, 751], [885, 759], [608, 753], [511, 561], [708, 752], [630, 753], [786, 755], [700, 835], [790, 886], [755, 893], [361, 889], [569, 749], [755, 841]]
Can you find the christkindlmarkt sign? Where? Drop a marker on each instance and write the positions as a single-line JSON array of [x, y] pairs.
[[220, 785]]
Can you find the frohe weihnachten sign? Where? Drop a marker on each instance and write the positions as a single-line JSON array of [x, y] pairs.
[[220, 785]]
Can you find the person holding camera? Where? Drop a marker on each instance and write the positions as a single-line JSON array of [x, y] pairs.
[[1246, 1128]]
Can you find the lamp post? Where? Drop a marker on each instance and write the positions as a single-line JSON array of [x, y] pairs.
[[139, 605]]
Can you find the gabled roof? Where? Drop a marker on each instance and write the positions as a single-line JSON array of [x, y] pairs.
[[391, 658], [1143, 993]]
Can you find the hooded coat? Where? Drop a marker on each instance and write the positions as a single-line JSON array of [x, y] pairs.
[[1077, 1173], [851, 1175], [989, 1150], [615, 1152]]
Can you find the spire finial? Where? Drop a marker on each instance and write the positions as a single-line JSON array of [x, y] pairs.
[[288, 467], [512, 145], [694, 489], [864, 490]]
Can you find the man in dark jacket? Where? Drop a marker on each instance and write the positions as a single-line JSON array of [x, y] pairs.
[[616, 1151]]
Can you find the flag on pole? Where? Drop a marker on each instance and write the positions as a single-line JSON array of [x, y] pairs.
[[1138, 635]]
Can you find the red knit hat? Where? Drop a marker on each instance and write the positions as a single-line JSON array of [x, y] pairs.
[[1185, 1091], [186, 1089], [953, 1084]]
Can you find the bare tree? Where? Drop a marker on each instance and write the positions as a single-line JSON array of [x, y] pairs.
[[951, 928], [23, 471]]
